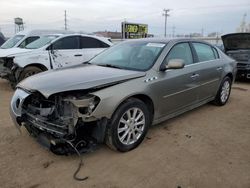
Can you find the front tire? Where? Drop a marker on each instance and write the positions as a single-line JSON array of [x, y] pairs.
[[223, 92], [129, 125], [29, 71]]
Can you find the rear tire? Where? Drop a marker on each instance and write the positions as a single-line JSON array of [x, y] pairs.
[[223, 92], [29, 71], [129, 125]]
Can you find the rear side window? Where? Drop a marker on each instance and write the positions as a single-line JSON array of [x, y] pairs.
[[180, 51], [89, 42], [27, 41], [204, 52], [67, 43]]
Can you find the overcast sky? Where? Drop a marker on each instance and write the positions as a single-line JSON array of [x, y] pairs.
[[98, 15]]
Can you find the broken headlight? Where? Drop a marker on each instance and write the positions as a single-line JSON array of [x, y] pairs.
[[85, 104], [8, 62]]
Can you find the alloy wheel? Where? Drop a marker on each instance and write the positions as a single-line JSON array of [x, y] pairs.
[[225, 91], [131, 126]]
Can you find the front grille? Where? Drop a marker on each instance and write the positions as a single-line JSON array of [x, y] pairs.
[[243, 66], [43, 125]]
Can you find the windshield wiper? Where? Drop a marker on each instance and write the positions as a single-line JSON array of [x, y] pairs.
[[109, 65]]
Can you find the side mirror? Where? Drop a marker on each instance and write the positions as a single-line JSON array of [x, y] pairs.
[[174, 64]]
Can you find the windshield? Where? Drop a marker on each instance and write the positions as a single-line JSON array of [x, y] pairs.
[[41, 42], [132, 55], [12, 41]]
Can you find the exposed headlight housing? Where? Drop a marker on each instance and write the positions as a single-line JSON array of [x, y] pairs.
[[8, 62], [86, 104]]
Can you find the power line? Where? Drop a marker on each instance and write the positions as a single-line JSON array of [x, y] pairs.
[[65, 20], [173, 31], [165, 14]]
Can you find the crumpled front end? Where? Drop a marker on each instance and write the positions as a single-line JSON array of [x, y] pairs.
[[59, 119], [8, 69]]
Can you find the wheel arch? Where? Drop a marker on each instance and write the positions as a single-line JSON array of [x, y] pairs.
[[144, 98], [40, 66], [230, 75]]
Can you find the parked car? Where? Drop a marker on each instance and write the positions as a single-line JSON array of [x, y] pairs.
[[62, 51], [117, 95], [23, 38], [6, 63], [17, 45], [237, 46]]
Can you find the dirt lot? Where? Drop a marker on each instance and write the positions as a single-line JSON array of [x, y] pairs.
[[208, 147]]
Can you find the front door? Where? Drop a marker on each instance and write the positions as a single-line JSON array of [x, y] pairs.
[[177, 88]]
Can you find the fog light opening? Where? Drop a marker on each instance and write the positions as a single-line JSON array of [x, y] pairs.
[[17, 103]]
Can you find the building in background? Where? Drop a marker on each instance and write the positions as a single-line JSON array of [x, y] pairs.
[[18, 25], [109, 34]]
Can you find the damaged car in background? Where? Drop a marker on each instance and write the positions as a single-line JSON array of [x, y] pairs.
[[8, 70], [237, 46], [18, 45], [117, 95], [52, 52]]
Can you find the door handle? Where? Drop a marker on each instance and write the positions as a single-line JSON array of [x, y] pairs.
[[78, 55], [219, 68], [194, 76]]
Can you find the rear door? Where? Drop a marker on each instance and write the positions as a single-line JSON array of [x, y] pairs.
[[210, 67], [91, 47], [67, 52]]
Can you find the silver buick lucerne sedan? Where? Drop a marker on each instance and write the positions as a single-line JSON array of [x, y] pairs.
[[117, 95]]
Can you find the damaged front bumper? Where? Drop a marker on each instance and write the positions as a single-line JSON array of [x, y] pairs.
[[54, 135], [16, 106], [243, 70]]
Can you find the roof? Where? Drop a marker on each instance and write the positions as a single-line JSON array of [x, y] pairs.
[[43, 32], [165, 40]]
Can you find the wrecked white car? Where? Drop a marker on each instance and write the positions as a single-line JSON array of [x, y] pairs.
[[53, 53]]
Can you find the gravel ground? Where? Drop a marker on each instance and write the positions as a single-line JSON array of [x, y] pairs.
[[207, 147]]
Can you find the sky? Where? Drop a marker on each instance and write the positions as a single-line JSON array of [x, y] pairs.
[[221, 16]]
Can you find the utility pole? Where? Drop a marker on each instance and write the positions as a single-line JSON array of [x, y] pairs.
[[173, 30], [65, 20], [165, 14]]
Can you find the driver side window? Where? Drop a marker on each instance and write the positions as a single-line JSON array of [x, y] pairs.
[[180, 51]]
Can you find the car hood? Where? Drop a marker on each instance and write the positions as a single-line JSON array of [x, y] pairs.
[[79, 77], [236, 41], [12, 51]]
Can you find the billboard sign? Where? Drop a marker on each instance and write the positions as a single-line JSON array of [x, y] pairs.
[[134, 30]]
